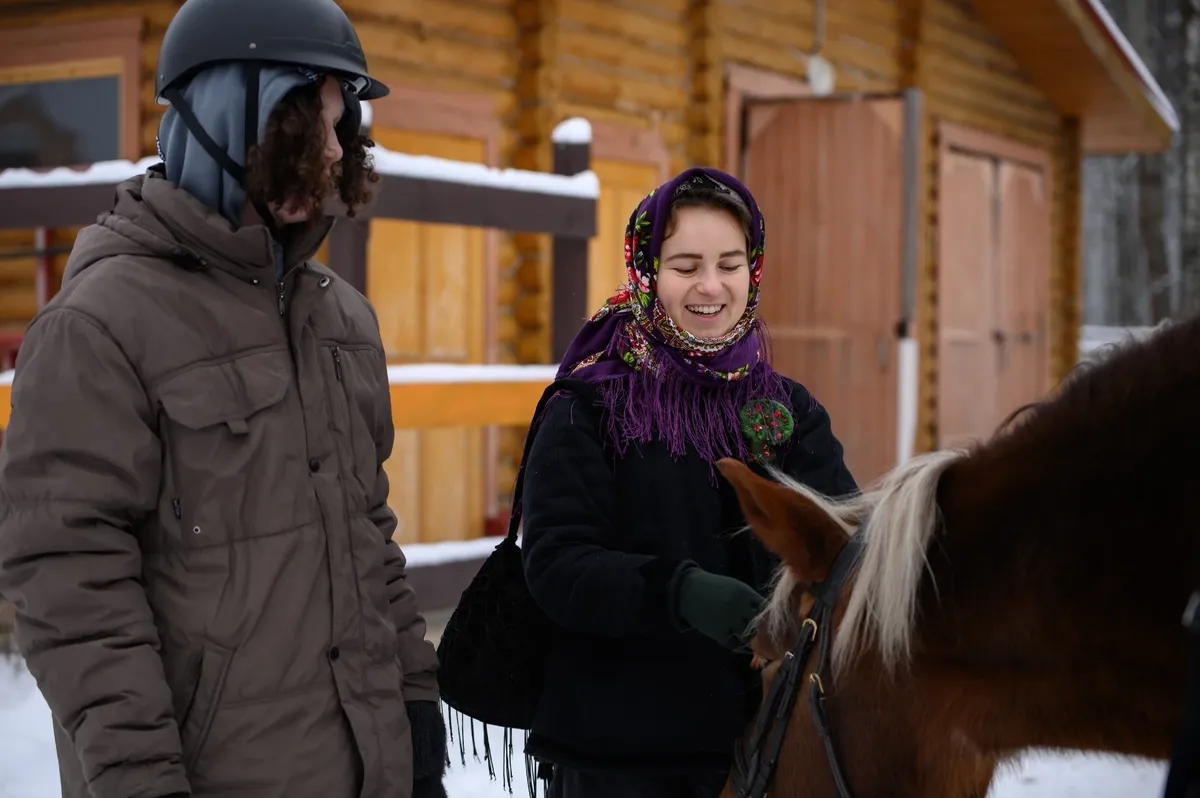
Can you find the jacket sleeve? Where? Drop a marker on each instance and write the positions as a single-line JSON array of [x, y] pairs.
[[569, 504], [816, 457], [79, 468], [418, 657]]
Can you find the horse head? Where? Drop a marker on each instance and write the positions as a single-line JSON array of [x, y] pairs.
[[839, 718]]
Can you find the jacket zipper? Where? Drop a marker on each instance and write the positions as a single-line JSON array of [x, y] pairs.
[[176, 502], [338, 373], [281, 302]]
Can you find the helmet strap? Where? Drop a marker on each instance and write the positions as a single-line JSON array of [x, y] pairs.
[[174, 96], [350, 124]]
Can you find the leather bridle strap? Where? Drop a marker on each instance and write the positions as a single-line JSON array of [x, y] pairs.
[[755, 760], [827, 597]]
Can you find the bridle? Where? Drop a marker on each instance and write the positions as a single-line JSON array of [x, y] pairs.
[[755, 758]]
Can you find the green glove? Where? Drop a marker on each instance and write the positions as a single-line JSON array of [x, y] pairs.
[[719, 607]]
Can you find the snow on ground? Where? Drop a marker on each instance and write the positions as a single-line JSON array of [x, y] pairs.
[[28, 766]]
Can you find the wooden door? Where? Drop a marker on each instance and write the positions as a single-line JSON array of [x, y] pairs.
[[828, 176], [426, 283], [1023, 285], [994, 256], [967, 372], [622, 186]]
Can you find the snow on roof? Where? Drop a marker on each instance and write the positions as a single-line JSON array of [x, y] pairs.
[[575, 130], [584, 184], [1150, 86]]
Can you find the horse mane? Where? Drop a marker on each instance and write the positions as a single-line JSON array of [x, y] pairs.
[[1118, 386], [882, 607]]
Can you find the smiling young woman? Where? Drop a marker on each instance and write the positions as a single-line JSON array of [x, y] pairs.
[[628, 539]]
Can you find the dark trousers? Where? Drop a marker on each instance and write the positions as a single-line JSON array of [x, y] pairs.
[[585, 784]]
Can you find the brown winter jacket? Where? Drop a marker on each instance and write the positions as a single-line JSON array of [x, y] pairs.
[[194, 524]]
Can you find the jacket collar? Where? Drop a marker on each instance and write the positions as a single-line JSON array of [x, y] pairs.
[[247, 252]]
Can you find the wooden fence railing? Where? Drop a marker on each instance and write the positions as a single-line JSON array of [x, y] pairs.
[[425, 396], [413, 188], [561, 204], [431, 395]]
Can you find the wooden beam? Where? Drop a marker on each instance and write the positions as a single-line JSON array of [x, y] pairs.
[[507, 400], [433, 406], [443, 202], [401, 197], [348, 251], [55, 206], [569, 274]]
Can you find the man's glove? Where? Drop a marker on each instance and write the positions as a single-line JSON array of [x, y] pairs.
[[719, 607], [428, 748]]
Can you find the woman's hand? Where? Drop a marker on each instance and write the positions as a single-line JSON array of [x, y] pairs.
[[719, 607]]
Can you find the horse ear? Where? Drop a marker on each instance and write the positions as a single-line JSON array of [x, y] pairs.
[[796, 529]]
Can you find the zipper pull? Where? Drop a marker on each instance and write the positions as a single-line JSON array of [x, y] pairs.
[[281, 308], [337, 363], [178, 508]]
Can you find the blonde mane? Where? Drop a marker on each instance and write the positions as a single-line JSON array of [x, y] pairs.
[[881, 611]]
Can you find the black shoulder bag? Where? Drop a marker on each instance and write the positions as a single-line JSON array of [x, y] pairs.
[[492, 653]]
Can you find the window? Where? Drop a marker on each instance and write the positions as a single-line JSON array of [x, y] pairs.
[[69, 94], [59, 121]]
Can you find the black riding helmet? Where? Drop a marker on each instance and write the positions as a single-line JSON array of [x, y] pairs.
[[312, 33], [315, 35]]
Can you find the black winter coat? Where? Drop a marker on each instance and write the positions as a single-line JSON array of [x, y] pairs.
[[624, 689]]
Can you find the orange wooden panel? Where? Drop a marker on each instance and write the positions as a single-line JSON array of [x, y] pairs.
[[432, 405], [420, 406], [966, 298], [426, 283], [828, 177], [622, 187]]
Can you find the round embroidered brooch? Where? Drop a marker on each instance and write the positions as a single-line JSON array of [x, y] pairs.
[[766, 424]]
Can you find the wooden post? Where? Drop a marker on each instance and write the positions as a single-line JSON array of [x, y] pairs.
[[569, 271], [348, 239], [348, 251]]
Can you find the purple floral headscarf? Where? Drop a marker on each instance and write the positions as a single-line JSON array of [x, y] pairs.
[[719, 395]]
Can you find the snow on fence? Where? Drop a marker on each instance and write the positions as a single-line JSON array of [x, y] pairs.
[[584, 185]]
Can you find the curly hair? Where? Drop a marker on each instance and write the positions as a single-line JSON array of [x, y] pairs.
[[289, 166]]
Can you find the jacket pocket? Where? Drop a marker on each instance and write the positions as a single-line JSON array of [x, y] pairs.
[[361, 406], [197, 720], [231, 453]]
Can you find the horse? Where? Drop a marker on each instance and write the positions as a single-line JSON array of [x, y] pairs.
[[1024, 591]]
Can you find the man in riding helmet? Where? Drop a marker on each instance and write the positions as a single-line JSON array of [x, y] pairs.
[[194, 524]]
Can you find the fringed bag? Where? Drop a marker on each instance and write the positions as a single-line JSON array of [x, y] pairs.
[[492, 654]]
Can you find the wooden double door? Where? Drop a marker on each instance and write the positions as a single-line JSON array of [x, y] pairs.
[[830, 177]]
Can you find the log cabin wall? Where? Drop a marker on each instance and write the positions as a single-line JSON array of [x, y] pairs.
[[745, 48], [662, 82], [53, 41]]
